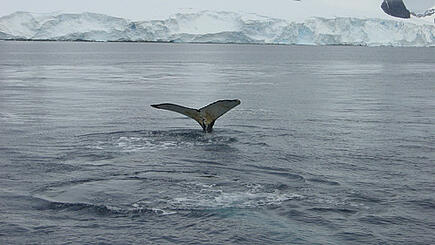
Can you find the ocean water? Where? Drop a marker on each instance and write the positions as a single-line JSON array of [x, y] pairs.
[[330, 145]]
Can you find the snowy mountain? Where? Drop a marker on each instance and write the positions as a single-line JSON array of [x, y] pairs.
[[217, 27]]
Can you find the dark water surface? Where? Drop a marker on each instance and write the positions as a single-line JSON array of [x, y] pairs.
[[331, 145]]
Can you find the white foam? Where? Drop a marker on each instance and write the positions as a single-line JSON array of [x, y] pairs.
[[221, 199], [210, 197]]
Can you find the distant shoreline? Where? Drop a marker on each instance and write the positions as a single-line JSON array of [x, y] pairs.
[[209, 43]]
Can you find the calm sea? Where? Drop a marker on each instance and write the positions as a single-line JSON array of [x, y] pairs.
[[330, 145]]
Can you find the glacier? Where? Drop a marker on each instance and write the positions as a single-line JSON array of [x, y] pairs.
[[218, 27]]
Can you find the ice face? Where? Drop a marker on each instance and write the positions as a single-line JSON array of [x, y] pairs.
[[219, 27]]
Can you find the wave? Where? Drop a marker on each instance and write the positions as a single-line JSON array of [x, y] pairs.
[[385, 220], [99, 209], [334, 210], [105, 198], [228, 200], [177, 205], [133, 141], [323, 181]]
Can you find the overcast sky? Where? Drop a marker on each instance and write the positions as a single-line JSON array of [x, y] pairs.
[[157, 9]]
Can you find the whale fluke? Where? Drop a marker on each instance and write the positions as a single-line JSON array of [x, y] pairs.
[[206, 116]]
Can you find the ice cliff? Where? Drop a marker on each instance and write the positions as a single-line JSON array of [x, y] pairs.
[[217, 27]]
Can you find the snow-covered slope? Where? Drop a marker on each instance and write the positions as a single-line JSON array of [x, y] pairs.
[[218, 27]]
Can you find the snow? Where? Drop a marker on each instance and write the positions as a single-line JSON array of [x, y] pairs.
[[205, 23], [219, 27]]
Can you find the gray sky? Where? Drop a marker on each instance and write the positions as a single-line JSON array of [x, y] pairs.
[[157, 9], [419, 5]]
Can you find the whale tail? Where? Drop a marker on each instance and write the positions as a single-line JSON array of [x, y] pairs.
[[206, 116]]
